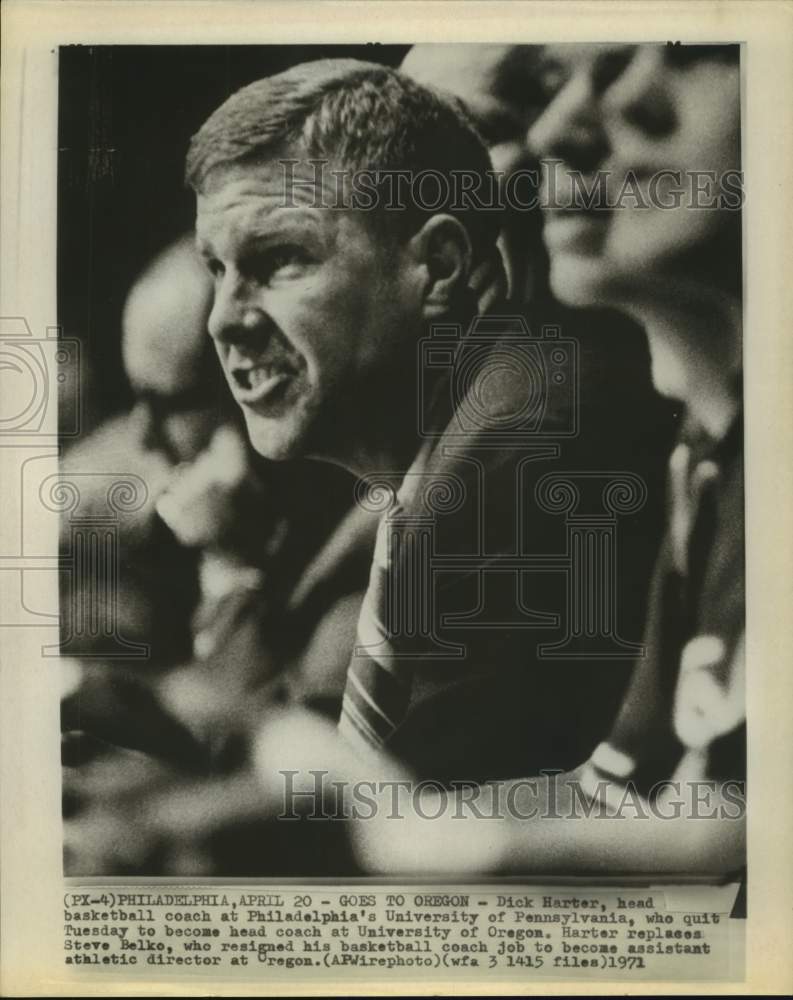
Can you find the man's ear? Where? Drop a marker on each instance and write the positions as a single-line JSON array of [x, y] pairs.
[[442, 249]]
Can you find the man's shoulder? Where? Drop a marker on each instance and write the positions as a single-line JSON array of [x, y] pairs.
[[510, 384]]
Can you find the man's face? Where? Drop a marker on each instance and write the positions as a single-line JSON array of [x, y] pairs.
[[652, 111], [176, 425], [308, 307], [164, 342]]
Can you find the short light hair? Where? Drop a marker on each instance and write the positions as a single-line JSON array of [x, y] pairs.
[[361, 117]]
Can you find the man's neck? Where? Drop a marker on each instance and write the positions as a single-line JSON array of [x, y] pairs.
[[380, 432], [396, 407], [694, 335]]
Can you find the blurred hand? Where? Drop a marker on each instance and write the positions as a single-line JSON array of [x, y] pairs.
[[111, 704], [198, 504]]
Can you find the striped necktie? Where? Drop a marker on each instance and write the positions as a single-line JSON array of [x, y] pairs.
[[379, 678], [377, 692]]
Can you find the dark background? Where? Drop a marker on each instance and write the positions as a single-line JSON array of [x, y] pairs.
[[125, 118]]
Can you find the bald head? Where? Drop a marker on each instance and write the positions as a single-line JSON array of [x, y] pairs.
[[165, 345], [168, 356]]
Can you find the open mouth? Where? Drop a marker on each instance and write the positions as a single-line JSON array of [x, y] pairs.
[[257, 383]]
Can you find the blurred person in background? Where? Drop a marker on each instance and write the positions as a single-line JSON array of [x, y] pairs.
[[647, 115], [502, 89], [171, 422], [114, 727], [208, 593]]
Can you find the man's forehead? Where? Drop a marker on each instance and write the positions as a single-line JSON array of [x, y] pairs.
[[289, 189], [273, 174]]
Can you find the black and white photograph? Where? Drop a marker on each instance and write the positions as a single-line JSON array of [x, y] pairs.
[[425, 367], [397, 490]]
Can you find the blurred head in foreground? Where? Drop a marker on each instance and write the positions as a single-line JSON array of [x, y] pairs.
[[642, 195]]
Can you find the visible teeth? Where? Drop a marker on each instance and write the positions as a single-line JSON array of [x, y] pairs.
[[252, 378], [258, 375]]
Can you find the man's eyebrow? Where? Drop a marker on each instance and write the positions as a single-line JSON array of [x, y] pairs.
[[286, 217], [283, 228], [280, 222]]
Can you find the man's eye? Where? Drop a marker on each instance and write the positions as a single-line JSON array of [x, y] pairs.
[[551, 77], [215, 267], [282, 261]]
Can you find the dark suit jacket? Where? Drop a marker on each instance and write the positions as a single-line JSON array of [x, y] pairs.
[[707, 601], [501, 709]]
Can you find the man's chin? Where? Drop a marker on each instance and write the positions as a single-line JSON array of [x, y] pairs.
[[580, 281], [276, 440]]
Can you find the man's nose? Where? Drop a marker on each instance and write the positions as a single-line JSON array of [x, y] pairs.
[[237, 315], [569, 128]]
